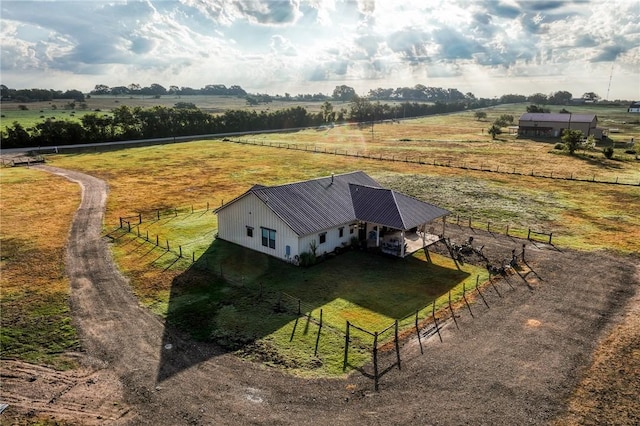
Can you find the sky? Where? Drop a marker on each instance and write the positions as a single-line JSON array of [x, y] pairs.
[[486, 47]]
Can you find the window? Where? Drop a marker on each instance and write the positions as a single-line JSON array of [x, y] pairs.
[[323, 237], [268, 238], [352, 228], [249, 231], [341, 232]]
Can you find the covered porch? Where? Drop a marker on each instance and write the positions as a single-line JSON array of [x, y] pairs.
[[395, 223], [401, 243]]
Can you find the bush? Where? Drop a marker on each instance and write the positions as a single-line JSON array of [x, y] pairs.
[[608, 152], [559, 146], [630, 151], [307, 258]]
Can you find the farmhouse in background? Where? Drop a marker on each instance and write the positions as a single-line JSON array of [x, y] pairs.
[[634, 107], [551, 125], [328, 214]]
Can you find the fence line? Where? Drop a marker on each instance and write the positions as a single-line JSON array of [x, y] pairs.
[[298, 307], [433, 162]]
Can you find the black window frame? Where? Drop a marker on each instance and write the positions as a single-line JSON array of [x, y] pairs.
[[250, 231], [270, 239], [322, 237]]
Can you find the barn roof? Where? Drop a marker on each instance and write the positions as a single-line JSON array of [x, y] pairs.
[[558, 117], [319, 204]]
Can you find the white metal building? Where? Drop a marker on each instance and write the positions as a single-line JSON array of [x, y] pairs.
[[286, 220]]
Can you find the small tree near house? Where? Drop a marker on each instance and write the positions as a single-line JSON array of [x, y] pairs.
[[571, 139], [504, 120], [494, 130]]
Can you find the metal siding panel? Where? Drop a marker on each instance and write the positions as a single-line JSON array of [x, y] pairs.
[[251, 211]]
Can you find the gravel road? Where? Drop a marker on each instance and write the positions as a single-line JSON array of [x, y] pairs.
[[514, 362]]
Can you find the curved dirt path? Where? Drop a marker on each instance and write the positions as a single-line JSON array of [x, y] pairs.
[[513, 363]]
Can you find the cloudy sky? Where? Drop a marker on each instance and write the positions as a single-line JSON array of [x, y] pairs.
[[487, 47]]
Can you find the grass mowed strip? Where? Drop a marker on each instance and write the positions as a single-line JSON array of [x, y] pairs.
[[36, 213]]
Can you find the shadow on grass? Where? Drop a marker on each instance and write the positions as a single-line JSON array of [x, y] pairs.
[[235, 296]]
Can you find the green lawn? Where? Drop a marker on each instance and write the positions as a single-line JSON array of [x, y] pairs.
[[256, 300]]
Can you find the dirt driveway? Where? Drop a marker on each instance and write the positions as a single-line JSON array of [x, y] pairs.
[[515, 362]]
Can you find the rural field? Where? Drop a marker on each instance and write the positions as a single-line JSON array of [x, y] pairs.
[[160, 227], [60, 109]]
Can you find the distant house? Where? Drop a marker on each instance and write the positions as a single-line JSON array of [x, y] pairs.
[[634, 107], [551, 125], [328, 213]]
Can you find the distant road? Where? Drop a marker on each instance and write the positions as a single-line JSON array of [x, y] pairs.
[[140, 142], [177, 139]]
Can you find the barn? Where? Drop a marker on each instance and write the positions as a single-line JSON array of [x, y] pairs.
[[327, 214], [551, 125]]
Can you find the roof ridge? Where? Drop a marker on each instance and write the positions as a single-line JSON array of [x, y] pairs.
[[311, 180], [399, 210]]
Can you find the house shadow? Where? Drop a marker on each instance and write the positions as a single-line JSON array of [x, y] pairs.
[[234, 296]]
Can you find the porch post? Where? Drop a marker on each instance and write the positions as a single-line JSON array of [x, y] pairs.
[[424, 234], [378, 236], [402, 245], [444, 224]]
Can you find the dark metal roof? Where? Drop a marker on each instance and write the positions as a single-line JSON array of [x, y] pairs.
[[319, 204], [314, 205], [558, 117], [390, 208]]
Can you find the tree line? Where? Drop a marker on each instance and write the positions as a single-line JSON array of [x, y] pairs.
[[33, 95], [184, 119]]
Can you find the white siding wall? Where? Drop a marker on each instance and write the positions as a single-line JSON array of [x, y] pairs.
[[251, 211], [333, 239]]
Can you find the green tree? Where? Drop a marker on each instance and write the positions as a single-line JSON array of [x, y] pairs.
[[494, 130], [361, 109], [571, 139], [328, 115], [480, 115], [536, 109], [344, 93], [504, 120], [560, 98], [16, 136], [538, 99]]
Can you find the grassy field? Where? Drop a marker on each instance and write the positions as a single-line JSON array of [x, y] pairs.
[[36, 211], [59, 109], [148, 180]]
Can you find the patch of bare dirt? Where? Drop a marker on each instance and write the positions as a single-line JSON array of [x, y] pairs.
[[517, 361]]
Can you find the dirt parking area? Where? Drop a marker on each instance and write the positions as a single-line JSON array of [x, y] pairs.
[[518, 360]]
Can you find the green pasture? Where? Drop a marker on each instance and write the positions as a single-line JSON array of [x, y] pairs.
[[238, 297], [31, 117], [187, 176]]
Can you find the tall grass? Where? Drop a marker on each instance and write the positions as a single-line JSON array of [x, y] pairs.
[[36, 321]]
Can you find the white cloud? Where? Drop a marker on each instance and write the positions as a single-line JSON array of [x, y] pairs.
[[267, 45]]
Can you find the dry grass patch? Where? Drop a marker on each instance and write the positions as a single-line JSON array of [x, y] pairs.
[[37, 209]]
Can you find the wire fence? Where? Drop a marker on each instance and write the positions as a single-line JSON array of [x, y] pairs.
[[440, 162], [423, 323]]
